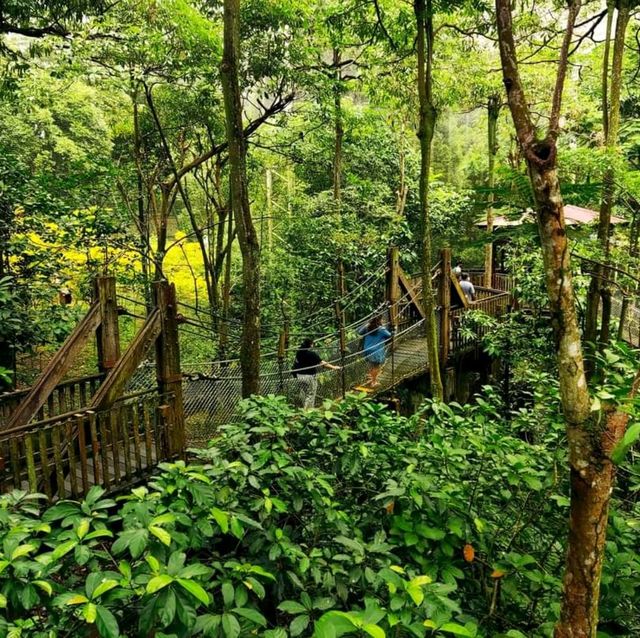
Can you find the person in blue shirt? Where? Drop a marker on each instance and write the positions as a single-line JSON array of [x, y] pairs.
[[374, 348]]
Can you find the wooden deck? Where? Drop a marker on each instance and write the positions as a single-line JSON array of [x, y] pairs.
[[65, 457]]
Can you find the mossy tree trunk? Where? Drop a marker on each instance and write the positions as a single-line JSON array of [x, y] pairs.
[[590, 440], [426, 129], [247, 236]]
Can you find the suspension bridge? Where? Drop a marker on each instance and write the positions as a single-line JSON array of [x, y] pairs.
[[146, 405]]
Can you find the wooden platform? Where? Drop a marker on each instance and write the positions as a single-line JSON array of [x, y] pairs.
[[120, 469]]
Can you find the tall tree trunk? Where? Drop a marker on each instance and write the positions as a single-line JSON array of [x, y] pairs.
[[426, 129], [493, 113], [339, 131], [598, 287], [590, 441], [403, 188], [612, 131], [247, 237], [167, 200], [223, 343], [634, 236], [143, 220]]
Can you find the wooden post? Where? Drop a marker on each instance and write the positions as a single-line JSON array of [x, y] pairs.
[[488, 265], [343, 347], [108, 333], [393, 284], [168, 365], [342, 291], [282, 350], [445, 304]]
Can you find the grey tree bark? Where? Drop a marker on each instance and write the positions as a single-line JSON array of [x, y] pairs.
[[247, 236], [426, 129]]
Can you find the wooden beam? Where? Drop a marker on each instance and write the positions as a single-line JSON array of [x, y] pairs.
[[393, 284], [455, 284], [445, 305], [410, 290], [114, 383], [56, 369], [168, 366], [108, 333]]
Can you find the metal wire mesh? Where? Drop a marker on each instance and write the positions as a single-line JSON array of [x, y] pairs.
[[212, 390]]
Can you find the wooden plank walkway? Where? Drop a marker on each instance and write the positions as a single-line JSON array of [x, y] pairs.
[[127, 466]]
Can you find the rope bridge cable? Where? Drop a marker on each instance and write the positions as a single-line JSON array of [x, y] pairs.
[[320, 335], [212, 389], [329, 308], [269, 358], [324, 336], [606, 267], [212, 399], [381, 270], [195, 322]]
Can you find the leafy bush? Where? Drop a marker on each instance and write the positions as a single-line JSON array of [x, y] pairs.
[[348, 520]]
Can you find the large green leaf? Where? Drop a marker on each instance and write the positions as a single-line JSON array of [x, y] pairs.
[[630, 437], [230, 626], [106, 623], [158, 582], [196, 590]]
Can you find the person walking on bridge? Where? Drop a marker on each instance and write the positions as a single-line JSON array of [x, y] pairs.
[[467, 287], [374, 348], [307, 365]]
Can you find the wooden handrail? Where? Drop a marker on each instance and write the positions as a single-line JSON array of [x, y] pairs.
[[63, 384], [120, 373], [36, 425], [56, 369]]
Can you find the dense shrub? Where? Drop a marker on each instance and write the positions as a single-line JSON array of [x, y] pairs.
[[348, 520]]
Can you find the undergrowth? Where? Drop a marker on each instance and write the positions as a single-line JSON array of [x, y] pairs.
[[348, 520]]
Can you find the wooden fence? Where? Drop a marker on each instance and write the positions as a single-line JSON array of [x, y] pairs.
[[64, 456], [65, 397], [489, 301]]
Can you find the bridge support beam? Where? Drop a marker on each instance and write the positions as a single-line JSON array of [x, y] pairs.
[[393, 284], [168, 370], [445, 305], [108, 332]]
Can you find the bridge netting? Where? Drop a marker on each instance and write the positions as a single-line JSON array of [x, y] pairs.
[[213, 388]]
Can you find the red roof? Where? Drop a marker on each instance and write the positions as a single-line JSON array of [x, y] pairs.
[[572, 215], [578, 215]]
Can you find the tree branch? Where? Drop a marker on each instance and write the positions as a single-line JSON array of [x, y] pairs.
[[511, 76], [380, 21], [574, 9], [249, 130], [33, 32]]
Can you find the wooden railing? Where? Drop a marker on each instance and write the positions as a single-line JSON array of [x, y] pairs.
[[65, 455], [492, 302], [66, 397], [499, 280]]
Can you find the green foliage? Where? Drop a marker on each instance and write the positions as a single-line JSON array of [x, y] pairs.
[[347, 520]]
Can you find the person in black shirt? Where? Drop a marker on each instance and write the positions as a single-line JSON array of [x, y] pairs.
[[306, 366]]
